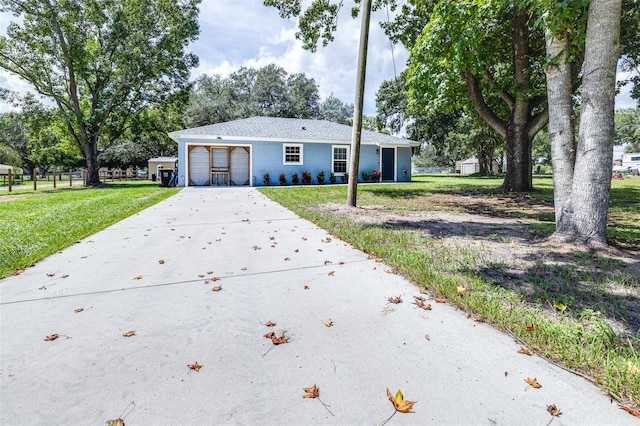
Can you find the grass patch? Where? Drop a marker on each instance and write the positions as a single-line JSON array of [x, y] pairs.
[[37, 224], [443, 232]]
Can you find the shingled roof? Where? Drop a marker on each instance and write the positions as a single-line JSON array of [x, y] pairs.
[[286, 130]]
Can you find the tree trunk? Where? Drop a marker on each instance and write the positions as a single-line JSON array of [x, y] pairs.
[[561, 122], [519, 166], [90, 150], [584, 215]]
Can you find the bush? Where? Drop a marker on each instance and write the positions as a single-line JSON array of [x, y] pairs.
[[332, 178], [306, 177], [345, 178], [295, 179], [282, 179], [365, 177], [375, 176], [266, 179], [321, 177]]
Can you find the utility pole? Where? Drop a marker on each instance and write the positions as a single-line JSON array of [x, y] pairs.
[[357, 119]]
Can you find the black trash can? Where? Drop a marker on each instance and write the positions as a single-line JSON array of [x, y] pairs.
[[165, 176]]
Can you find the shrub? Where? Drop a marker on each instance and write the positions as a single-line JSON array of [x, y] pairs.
[[282, 178], [332, 178], [266, 179], [306, 177], [365, 176], [375, 176], [345, 178], [321, 177], [295, 179]]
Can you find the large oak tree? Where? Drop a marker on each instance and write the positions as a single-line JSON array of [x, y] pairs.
[[101, 61]]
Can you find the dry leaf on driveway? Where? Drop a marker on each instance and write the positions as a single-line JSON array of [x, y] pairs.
[[524, 351], [78, 310], [533, 382], [217, 288], [195, 366], [553, 410], [632, 411], [329, 323], [395, 300], [129, 333], [137, 277], [51, 337], [312, 392], [399, 402]]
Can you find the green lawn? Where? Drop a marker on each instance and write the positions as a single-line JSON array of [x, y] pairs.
[[577, 308], [34, 225]]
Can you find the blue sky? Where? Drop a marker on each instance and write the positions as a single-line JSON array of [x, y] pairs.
[[237, 33]]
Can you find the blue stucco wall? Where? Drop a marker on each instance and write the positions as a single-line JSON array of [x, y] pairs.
[[266, 157]]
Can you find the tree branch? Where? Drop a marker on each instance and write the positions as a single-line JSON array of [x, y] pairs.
[[478, 101]]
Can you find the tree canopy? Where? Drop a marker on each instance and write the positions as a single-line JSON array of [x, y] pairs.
[[268, 91], [101, 61]]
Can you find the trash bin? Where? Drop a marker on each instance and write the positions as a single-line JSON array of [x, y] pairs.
[[153, 177], [165, 176]]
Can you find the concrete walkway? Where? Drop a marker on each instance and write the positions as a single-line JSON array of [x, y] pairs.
[[154, 273]]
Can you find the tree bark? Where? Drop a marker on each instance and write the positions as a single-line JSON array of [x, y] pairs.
[[584, 215], [561, 121], [90, 151]]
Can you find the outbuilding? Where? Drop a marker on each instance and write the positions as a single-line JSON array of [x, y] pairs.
[[155, 164], [241, 152]]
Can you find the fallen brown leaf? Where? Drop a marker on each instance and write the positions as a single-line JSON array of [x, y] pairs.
[[632, 411], [270, 335], [51, 338], [244, 268], [201, 275], [312, 392], [399, 402], [531, 328], [438, 300], [306, 287], [217, 288], [286, 259], [270, 324], [480, 319], [326, 262], [279, 340], [64, 276], [524, 351], [51, 274], [78, 310], [332, 273], [137, 277], [161, 261], [553, 410], [329, 323], [129, 333], [533, 382], [195, 366], [257, 248], [116, 422], [395, 300]]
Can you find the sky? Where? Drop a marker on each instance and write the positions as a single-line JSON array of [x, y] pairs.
[[236, 33]]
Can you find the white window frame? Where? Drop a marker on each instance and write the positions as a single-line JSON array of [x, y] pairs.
[[284, 153], [333, 159]]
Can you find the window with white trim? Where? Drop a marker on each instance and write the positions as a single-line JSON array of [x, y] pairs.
[[340, 160], [292, 153]]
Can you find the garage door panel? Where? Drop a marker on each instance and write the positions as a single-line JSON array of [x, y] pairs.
[[239, 166], [199, 168]]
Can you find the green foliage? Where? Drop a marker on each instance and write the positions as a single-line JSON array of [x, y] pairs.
[[627, 129], [102, 62], [268, 91]]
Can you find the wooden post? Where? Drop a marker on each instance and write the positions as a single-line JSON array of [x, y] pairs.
[[55, 175], [70, 177], [354, 162], [10, 171], [35, 179]]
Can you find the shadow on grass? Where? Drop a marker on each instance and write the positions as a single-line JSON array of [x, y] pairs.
[[588, 287], [594, 289]]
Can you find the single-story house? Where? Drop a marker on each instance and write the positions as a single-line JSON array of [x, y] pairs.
[[240, 152], [157, 163]]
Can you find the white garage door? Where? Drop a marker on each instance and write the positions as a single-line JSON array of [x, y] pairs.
[[240, 166], [468, 169], [199, 170]]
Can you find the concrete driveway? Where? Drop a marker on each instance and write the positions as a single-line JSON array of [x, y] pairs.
[[154, 272]]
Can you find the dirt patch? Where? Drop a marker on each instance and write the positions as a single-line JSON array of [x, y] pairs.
[[594, 286]]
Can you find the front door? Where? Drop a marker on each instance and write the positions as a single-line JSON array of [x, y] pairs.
[[388, 164]]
